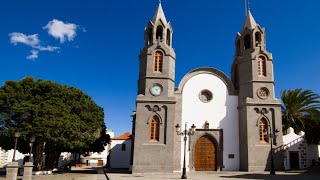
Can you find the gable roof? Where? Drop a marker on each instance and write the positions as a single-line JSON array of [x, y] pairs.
[[124, 136]]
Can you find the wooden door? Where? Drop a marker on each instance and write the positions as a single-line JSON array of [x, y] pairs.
[[294, 160], [100, 163], [205, 155]]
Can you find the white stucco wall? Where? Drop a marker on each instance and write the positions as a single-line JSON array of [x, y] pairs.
[[221, 113], [94, 157], [18, 157], [296, 143], [119, 158]]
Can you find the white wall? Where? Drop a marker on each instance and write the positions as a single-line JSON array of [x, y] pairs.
[[95, 156], [119, 158], [18, 157], [221, 113], [292, 142]]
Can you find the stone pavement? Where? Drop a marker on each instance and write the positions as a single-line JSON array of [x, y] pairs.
[[75, 174], [66, 176], [311, 174]]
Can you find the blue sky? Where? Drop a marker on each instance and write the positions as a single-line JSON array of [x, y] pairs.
[[94, 45]]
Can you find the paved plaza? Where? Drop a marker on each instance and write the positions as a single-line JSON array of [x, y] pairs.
[[215, 176], [311, 174]]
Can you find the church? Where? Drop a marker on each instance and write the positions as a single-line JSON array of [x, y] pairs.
[[210, 122]]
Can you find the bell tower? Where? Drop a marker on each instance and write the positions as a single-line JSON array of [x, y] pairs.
[[259, 110], [154, 120], [157, 58]]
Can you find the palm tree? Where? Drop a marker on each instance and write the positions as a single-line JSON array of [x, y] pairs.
[[300, 109]]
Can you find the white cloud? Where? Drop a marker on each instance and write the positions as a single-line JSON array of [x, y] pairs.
[[30, 40], [62, 31], [58, 29], [33, 55], [48, 48]]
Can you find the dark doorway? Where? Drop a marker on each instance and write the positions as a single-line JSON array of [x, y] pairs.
[[294, 160]]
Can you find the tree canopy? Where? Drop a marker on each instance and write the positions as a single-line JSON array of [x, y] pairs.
[[301, 111], [61, 117]]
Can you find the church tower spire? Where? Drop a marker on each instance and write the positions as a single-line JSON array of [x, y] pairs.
[[158, 29], [159, 14], [259, 110], [157, 58], [249, 23]]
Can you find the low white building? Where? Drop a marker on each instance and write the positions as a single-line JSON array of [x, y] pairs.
[[6, 157], [298, 153], [98, 159], [120, 152]]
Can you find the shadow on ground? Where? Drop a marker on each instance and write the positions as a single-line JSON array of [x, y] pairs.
[[312, 173], [118, 170]]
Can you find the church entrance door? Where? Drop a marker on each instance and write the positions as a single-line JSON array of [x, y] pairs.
[[205, 154]]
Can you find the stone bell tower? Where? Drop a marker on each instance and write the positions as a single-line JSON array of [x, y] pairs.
[[155, 105], [259, 110]]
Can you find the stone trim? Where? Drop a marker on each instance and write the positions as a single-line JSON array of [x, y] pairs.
[[208, 70], [217, 136]]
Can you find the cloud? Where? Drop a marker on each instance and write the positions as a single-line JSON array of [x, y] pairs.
[[62, 31], [56, 28], [34, 55], [48, 48], [32, 41]]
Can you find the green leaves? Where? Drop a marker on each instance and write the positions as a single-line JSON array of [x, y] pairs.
[[300, 110], [59, 115]]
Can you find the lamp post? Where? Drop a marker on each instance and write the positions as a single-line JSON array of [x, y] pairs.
[[16, 135], [32, 139], [185, 133], [272, 135]]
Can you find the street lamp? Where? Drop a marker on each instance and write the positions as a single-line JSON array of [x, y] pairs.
[[185, 133], [271, 135], [16, 135], [32, 139]]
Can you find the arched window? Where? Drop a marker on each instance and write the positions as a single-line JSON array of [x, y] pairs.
[[247, 41], [262, 66], [158, 58], [258, 38], [238, 47], [168, 37], [150, 38], [154, 128], [236, 74], [159, 32], [263, 130]]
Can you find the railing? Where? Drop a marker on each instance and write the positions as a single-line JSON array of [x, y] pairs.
[[285, 146]]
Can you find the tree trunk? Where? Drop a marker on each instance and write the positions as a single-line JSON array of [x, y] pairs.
[[38, 155], [52, 159]]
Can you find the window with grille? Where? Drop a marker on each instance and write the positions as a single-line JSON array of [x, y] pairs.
[[262, 66], [158, 57], [154, 128], [263, 130]]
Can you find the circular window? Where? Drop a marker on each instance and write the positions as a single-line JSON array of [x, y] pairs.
[[263, 93], [205, 96]]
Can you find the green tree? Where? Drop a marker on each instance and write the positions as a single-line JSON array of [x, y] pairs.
[[62, 118], [300, 110]]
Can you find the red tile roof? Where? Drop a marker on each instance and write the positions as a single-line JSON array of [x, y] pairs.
[[124, 136]]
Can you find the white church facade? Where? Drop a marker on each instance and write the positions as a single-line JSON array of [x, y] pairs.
[[234, 119]]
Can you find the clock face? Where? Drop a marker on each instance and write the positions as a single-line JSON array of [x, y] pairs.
[[156, 90]]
